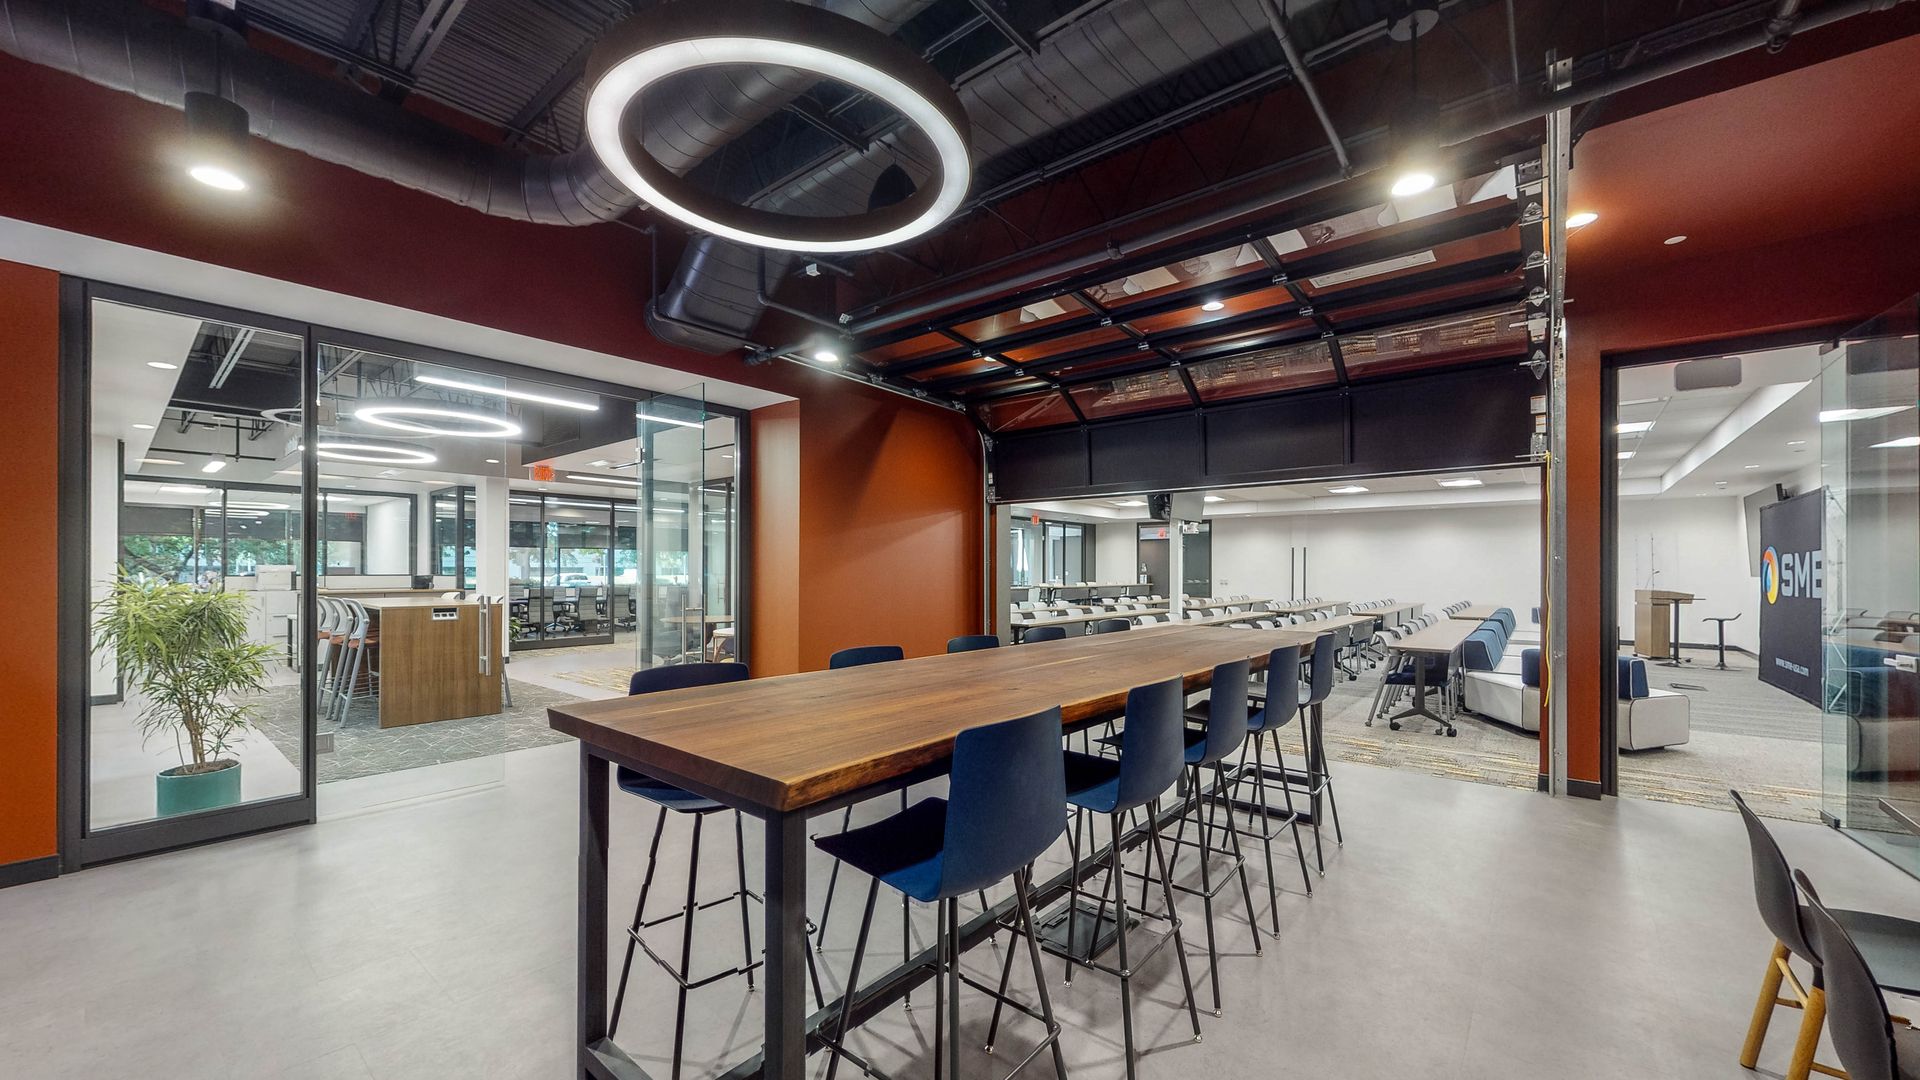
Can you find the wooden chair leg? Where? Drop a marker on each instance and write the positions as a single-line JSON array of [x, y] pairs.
[[1763, 1008], [1813, 1020]]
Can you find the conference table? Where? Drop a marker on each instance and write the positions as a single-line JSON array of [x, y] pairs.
[[1441, 639], [786, 749]]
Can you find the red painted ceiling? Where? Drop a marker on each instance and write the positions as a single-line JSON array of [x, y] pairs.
[[1815, 150]]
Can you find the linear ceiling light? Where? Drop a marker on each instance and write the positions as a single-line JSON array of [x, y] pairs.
[[1898, 444], [1633, 427], [602, 479], [1837, 416], [1350, 489], [505, 392], [671, 38], [461, 422], [1461, 482], [668, 420]]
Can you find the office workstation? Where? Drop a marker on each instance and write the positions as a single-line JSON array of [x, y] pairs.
[[793, 538]]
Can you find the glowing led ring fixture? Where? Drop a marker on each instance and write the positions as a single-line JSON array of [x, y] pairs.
[[456, 421], [672, 38], [372, 453]]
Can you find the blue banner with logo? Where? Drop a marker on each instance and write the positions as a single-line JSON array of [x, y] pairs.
[[1792, 581]]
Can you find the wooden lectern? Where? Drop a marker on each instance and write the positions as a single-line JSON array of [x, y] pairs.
[[1656, 622]]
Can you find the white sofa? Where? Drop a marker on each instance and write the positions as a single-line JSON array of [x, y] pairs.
[[1645, 717]]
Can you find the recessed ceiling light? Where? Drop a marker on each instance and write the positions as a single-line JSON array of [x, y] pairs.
[[1129, 502], [1633, 427], [513, 395], [598, 463], [185, 487], [1461, 482], [1625, 454], [163, 365], [493, 461], [1834, 416], [1898, 444], [1672, 240], [1213, 305], [1796, 442], [214, 466], [159, 461], [1749, 466], [1582, 219], [1412, 183], [216, 177], [1214, 498], [143, 427], [1350, 489], [826, 356]]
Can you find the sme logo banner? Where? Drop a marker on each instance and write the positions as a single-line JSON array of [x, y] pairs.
[[1792, 574]]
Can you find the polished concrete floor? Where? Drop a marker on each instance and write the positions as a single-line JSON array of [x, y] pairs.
[[1463, 930]]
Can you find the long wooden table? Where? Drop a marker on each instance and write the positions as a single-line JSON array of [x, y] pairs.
[[1441, 639], [786, 749]]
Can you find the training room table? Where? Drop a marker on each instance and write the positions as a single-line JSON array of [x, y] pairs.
[[1081, 621], [1475, 613], [1440, 639], [1051, 590], [788, 748]]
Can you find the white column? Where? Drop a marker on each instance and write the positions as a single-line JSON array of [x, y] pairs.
[[490, 536]]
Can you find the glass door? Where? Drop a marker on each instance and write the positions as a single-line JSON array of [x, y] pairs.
[[675, 623]]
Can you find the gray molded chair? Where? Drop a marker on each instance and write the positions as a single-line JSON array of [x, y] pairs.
[[1893, 947], [1870, 1046]]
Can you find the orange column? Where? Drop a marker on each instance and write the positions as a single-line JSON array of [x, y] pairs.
[[29, 610], [1582, 540]]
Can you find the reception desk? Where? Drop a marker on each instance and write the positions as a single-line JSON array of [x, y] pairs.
[[439, 659]]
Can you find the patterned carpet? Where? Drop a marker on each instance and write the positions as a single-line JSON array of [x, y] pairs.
[[615, 679], [1745, 735], [361, 747]]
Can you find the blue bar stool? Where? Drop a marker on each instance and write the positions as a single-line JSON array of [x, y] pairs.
[[679, 801], [1276, 711], [1224, 716], [1002, 811], [1152, 755], [972, 643]]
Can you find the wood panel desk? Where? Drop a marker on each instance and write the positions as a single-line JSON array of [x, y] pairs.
[[1441, 639], [1475, 613], [788, 748], [439, 659]]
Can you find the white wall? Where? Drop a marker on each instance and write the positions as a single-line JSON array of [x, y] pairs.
[[1114, 552], [104, 550], [1483, 554], [389, 535], [1694, 545]]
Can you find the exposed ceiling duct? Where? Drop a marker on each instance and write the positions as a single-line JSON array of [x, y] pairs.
[[1089, 65]]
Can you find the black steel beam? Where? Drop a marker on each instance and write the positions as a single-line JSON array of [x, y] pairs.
[[1003, 22]]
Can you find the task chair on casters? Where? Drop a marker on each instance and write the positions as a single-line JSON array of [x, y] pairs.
[[1003, 809], [1892, 946]]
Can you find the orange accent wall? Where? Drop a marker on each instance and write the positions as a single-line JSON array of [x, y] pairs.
[[29, 444], [877, 540]]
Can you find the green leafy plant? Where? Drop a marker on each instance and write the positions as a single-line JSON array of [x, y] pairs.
[[186, 652]]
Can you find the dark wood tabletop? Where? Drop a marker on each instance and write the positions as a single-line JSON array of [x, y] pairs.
[[786, 743]]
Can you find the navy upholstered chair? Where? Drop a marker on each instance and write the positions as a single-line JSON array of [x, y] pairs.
[[1003, 809], [1152, 754], [1223, 718], [1044, 633], [679, 801], [861, 655], [1112, 626], [972, 643]]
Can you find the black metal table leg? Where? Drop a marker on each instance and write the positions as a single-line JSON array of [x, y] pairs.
[[592, 1018], [786, 943]]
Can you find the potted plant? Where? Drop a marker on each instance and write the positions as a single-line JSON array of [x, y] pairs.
[[185, 651]]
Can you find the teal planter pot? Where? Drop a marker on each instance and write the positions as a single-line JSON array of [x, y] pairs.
[[178, 792]]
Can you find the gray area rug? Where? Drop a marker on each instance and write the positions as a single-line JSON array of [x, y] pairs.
[[361, 747]]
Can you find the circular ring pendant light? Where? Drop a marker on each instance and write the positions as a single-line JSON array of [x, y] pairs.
[[371, 453], [672, 38], [457, 421]]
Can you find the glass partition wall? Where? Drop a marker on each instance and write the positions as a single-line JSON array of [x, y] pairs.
[[1870, 603], [385, 530]]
